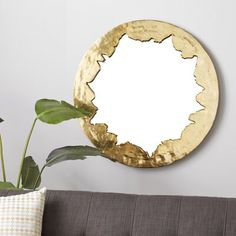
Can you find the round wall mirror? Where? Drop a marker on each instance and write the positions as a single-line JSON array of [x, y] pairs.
[[153, 91]]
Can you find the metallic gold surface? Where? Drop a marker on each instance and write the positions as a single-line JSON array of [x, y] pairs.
[[168, 151]]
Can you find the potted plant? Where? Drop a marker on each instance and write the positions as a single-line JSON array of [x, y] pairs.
[[51, 112]]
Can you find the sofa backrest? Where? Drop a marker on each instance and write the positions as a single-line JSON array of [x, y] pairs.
[[75, 213]]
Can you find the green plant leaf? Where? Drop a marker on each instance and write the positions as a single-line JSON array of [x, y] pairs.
[[7, 186], [1, 120], [30, 172], [71, 153], [54, 112]]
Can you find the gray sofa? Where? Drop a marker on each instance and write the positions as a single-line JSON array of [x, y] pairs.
[[75, 213]]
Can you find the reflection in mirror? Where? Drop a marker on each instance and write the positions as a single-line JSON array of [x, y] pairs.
[[145, 92]]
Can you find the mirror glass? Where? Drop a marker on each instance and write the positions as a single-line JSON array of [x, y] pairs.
[[145, 92]]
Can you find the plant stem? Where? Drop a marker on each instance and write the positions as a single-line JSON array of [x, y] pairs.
[[2, 161], [37, 180], [24, 153]]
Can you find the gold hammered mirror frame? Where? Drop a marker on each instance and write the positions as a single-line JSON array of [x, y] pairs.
[[169, 150]]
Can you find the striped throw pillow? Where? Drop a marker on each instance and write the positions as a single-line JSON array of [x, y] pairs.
[[21, 215]]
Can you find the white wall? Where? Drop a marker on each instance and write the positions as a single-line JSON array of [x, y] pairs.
[[41, 44]]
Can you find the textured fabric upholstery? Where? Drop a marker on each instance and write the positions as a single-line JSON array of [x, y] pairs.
[[75, 213]]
